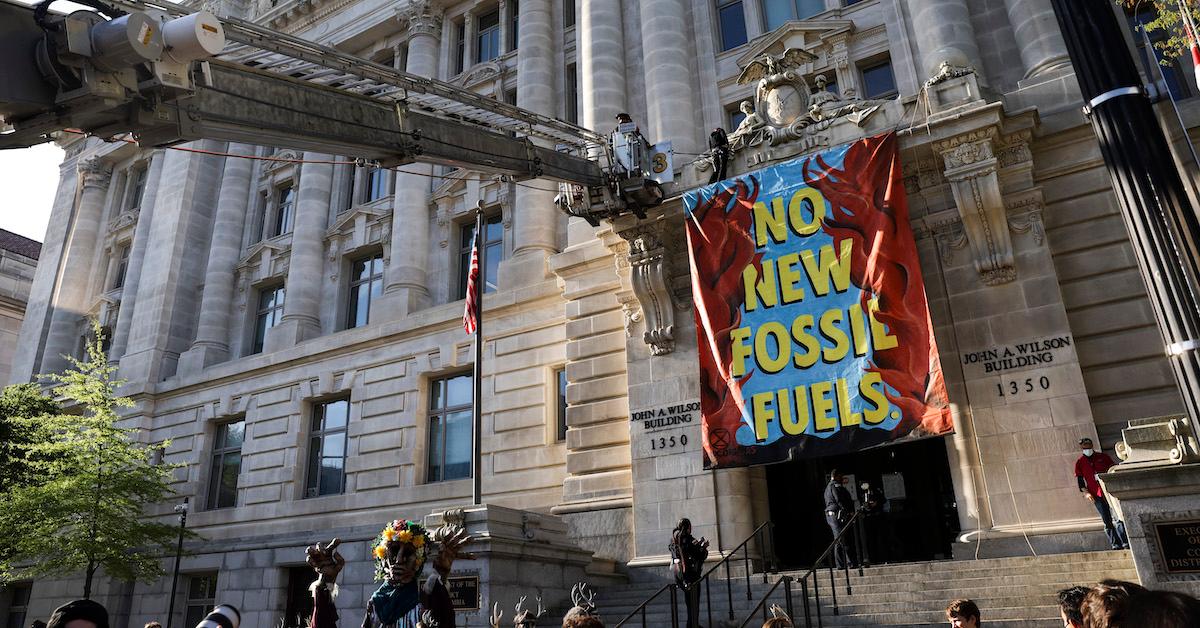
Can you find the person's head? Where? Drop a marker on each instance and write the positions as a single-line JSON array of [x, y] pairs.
[[684, 526], [1069, 601], [153, 624], [623, 118], [1163, 609], [79, 614], [837, 476], [778, 622], [1106, 603], [1085, 445], [963, 614]]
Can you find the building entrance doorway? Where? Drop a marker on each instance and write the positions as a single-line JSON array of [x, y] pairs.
[[920, 518]]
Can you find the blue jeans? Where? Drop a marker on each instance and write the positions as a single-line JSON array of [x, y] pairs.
[[1115, 532]]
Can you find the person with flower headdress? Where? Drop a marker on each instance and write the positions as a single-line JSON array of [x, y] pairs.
[[402, 601]]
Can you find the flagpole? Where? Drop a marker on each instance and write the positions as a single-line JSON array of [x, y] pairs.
[[477, 378]]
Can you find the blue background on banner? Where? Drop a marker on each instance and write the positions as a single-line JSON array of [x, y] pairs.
[[782, 180]]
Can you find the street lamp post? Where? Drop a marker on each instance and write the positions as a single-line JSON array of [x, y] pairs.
[[182, 509]]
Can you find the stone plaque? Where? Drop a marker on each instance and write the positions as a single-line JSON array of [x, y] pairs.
[[1179, 543], [1017, 357], [668, 416]]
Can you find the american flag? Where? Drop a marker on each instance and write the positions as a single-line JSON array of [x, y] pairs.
[[469, 314]]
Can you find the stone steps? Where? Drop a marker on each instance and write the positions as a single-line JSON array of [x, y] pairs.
[[1012, 592]]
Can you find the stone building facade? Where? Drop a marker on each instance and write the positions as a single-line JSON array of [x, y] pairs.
[[18, 259], [294, 327]]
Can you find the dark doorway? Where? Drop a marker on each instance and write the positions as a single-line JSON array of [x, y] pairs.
[[299, 608], [920, 519]]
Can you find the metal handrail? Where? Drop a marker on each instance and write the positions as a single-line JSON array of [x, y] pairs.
[[641, 608], [855, 524], [786, 581], [762, 532]]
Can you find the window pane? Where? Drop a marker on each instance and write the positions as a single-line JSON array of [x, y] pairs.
[[336, 414], [562, 404], [332, 463], [808, 8], [568, 13], [458, 445], [435, 448], [377, 265], [878, 80], [491, 266], [733, 25], [314, 466], [776, 12], [437, 394], [20, 595], [460, 390], [195, 613], [230, 468], [359, 306], [360, 269], [233, 434], [261, 325], [214, 483], [494, 228]]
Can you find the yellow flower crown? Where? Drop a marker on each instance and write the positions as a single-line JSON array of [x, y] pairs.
[[402, 531]]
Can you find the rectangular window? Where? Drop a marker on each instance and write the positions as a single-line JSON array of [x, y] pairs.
[[284, 211], [776, 12], [732, 21], [493, 252], [568, 10], [514, 24], [327, 448], [270, 312], [376, 184], [572, 95], [487, 40], [561, 377], [122, 267], [263, 213], [878, 81], [137, 185], [460, 39], [450, 426], [18, 605], [347, 200], [366, 284], [201, 597], [226, 465]]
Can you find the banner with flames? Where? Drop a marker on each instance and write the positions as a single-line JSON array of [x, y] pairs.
[[813, 328]]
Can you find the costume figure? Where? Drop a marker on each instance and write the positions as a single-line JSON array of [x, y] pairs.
[[718, 154], [402, 601], [583, 614], [1087, 469]]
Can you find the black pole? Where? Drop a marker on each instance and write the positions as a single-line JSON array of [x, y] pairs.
[[1163, 226], [182, 509], [477, 376]]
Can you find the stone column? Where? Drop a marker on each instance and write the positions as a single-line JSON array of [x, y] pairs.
[[137, 256], [505, 22], [302, 296], [405, 288], [601, 63], [469, 41], [944, 33], [536, 220], [1038, 36], [212, 330], [670, 95], [71, 300]]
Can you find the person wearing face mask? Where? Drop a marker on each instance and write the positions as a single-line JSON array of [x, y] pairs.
[[1090, 465]]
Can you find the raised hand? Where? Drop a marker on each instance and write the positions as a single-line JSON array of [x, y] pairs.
[[325, 560], [451, 540]]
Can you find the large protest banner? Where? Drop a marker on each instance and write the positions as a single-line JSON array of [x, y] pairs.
[[813, 327]]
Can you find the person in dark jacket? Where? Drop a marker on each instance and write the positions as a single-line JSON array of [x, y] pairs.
[[687, 562], [79, 614], [1090, 465], [839, 507]]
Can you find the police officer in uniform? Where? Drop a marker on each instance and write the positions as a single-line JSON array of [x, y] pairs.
[[839, 507]]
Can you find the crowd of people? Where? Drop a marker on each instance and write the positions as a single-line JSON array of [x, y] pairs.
[[1107, 604]]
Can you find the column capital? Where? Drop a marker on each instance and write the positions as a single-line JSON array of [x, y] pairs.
[[94, 172], [424, 17]]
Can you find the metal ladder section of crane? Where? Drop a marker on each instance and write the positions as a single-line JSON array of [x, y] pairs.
[[264, 87]]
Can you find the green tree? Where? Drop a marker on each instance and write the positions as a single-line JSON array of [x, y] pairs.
[[19, 401], [86, 510], [1165, 17]]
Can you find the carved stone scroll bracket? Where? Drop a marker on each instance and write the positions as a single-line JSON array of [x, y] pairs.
[[971, 168], [949, 235], [651, 284], [1025, 216], [631, 312]]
